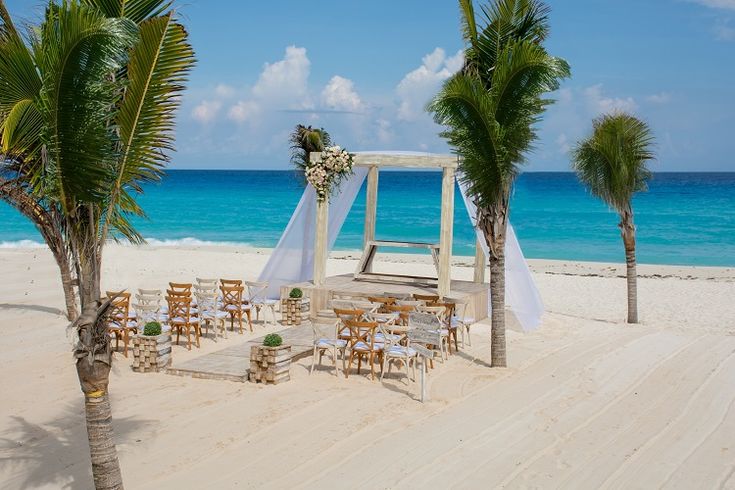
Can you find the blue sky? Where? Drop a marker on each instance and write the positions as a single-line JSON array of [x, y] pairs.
[[364, 71]]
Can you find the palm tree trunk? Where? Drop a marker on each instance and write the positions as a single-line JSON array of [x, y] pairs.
[[105, 465], [628, 233], [494, 222], [94, 359], [497, 298]]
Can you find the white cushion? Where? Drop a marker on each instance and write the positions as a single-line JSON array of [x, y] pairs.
[[399, 350], [362, 346], [329, 343]]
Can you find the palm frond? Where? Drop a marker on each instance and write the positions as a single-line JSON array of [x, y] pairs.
[[79, 48], [612, 161], [136, 10], [304, 140], [156, 73]]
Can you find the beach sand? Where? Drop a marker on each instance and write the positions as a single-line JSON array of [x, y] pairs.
[[587, 401]]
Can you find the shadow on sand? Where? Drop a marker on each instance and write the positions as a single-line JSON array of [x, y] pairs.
[[54, 454], [38, 308]]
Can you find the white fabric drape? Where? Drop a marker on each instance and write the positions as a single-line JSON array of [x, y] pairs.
[[521, 294], [293, 258]]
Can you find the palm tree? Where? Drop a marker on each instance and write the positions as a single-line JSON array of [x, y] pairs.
[[14, 186], [87, 109], [304, 140], [490, 109], [611, 163]]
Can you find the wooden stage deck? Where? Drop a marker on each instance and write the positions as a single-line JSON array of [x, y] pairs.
[[232, 363], [346, 286]]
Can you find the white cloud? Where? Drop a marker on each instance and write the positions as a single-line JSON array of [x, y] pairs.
[[718, 4], [385, 131], [600, 103], [206, 111], [286, 78], [421, 84], [340, 94], [223, 90], [245, 110], [660, 98], [563, 143]]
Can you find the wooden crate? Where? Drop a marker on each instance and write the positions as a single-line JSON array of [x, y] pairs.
[[292, 310], [151, 353], [270, 365]]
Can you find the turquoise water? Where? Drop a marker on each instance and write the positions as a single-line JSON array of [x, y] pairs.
[[685, 218]]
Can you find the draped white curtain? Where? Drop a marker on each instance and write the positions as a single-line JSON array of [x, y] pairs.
[[293, 258], [521, 294]]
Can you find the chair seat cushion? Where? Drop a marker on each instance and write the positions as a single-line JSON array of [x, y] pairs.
[[267, 302], [401, 351], [362, 346], [179, 320], [379, 337], [329, 343]]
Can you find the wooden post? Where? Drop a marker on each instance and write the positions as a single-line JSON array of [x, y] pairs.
[[371, 208], [480, 263], [445, 238], [320, 242]]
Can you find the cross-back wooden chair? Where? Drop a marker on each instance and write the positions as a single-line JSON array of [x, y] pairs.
[[384, 301], [180, 287], [232, 304], [430, 323], [230, 283], [447, 321], [440, 313], [362, 344], [208, 284], [461, 320], [426, 298], [343, 314], [328, 345], [181, 319], [256, 298], [394, 352], [209, 311], [402, 310], [120, 323]]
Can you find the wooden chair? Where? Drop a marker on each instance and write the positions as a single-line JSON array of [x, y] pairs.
[[440, 312], [180, 288], [383, 301], [233, 305], [394, 352], [330, 345], [362, 344], [447, 320], [430, 323], [461, 321], [120, 323], [343, 332], [210, 312], [256, 298], [208, 284], [402, 310], [181, 320], [398, 296], [426, 298], [230, 283], [153, 297]]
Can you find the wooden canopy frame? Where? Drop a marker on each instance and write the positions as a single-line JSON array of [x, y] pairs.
[[376, 161]]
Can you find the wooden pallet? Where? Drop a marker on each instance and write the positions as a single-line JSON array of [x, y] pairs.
[[151, 354], [270, 365]]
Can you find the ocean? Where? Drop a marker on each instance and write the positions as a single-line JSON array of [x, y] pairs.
[[684, 218]]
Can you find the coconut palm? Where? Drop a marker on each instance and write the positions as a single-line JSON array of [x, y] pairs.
[[611, 163], [304, 140], [490, 109], [14, 188], [87, 113]]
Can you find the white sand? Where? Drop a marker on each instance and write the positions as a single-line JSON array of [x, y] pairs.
[[588, 401]]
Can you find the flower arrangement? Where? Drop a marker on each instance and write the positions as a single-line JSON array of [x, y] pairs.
[[326, 175]]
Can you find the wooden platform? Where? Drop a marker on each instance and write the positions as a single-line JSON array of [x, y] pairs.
[[346, 286], [233, 363]]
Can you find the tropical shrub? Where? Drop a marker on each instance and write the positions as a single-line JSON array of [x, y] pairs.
[[272, 340]]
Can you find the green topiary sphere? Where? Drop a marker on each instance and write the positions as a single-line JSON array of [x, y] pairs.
[[152, 329]]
